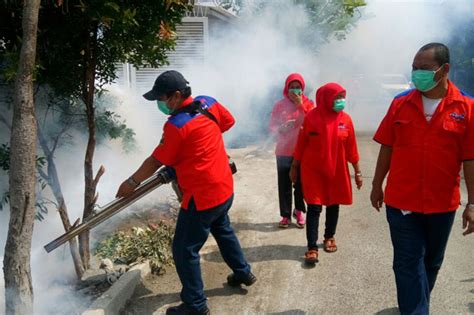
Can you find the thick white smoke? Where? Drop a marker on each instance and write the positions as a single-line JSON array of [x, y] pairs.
[[374, 63]]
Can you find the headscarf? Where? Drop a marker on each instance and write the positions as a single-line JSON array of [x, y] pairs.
[[294, 77]]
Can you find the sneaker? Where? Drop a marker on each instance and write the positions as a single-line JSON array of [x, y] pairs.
[[300, 221], [284, 222], [311, 256], [183, 309], [234, 281]]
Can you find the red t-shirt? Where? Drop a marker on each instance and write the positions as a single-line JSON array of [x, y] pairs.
[[427, 156], [192, 144]]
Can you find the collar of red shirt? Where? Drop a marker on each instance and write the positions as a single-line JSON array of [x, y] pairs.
[[187, 101], [452, 95]]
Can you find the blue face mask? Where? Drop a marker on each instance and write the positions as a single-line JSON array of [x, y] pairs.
[[163, 107], [424, 79], [296, 91], [339, 105]]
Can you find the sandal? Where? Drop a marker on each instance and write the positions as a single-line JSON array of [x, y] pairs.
[[311, 256], [330, 245]]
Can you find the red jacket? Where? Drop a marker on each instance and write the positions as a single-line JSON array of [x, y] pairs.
[[285, 110]]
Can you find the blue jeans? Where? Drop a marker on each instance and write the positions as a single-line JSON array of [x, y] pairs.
[[192, 230], [419, 242]]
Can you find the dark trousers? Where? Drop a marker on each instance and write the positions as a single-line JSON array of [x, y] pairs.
[[192, 230], [419, 242], [312, 223], [285, 187]]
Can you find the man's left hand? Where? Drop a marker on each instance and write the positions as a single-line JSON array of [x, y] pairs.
[[468, 220]]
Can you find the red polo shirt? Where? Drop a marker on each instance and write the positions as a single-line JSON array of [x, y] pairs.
[[192, 144], [427, 156]]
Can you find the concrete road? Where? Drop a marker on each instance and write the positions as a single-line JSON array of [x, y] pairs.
[[357, 279]]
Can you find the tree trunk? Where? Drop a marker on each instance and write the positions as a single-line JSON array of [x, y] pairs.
[[16, 263], [53, 181], [88, 98]]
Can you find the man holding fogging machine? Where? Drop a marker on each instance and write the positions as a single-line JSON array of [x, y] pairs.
[[192, 144]]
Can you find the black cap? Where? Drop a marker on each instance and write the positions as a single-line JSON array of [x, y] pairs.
[[168, 81]]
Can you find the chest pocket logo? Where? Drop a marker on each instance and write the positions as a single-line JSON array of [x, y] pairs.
[[451, 132], [454, 126], [342, 131], [457, 117]]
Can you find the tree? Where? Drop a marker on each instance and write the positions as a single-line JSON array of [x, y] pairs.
[[80, 43], [334, 18], [16, 265], [55, 123]]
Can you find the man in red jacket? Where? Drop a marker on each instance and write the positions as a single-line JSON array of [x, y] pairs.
[[427, 134], [192, 144]]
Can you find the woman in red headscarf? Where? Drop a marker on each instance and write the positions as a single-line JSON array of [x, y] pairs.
[[285, 121], [326, 143]]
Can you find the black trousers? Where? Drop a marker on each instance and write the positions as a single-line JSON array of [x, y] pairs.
[[312, 223], [285, 188]]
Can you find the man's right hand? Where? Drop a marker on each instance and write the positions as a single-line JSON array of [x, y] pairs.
[[125, 189], [376, 197]]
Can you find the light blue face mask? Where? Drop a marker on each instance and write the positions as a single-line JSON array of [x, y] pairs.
[[423, 80], [296, 91], [163, 107], [339, 105]]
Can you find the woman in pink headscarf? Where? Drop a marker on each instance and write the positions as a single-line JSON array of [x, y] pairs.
[[326, 144], [285, 121]]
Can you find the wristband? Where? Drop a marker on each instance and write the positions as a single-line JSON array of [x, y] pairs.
[[359, 174]]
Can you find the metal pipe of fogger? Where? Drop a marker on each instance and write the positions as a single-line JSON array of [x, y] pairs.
[[163, 176]]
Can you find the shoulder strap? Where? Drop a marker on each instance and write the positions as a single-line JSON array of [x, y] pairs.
[[194, 107]]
